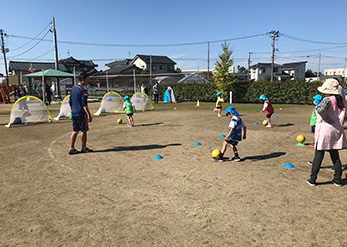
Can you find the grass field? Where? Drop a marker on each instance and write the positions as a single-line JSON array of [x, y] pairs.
[[121, 196]]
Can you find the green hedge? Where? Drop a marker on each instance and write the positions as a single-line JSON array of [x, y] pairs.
[[299, 92]]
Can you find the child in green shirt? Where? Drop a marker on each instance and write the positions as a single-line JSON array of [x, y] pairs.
[[316, 100], [129, 109]]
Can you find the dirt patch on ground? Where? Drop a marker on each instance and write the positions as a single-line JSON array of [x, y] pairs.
[[121, 196]]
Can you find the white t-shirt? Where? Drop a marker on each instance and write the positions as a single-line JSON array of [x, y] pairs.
[[233, 124]]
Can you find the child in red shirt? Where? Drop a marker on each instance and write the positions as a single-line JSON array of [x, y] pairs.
[[269, 110]]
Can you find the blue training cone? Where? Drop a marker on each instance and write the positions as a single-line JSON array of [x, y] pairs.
[[197, 144], [255, 123], [158, 157], [222, 136], [275, 116], [289, 165]]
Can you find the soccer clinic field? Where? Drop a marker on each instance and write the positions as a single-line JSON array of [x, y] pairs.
[[120, 195]]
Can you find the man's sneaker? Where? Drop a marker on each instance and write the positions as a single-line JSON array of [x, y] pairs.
[[86, 150], [310, 162], [311, 183], [338, 184], [73, 151], [236, 158]]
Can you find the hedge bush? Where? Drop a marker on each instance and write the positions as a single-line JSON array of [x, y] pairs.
[[298, 92]]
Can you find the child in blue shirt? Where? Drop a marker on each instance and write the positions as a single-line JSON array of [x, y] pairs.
[[234, 135]]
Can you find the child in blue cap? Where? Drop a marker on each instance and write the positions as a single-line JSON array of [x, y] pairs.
[[219, 102], [129, 109], [316, 101], [269, 110], [234, 135]]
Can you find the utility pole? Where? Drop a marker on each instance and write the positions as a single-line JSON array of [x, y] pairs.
[[249, 65], [208, 59], [275, 34], [2, 33], [55, 44], [345, 68], [150, 69], [318, 72], [55, 53]]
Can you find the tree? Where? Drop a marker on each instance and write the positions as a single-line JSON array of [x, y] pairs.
[[178, 70], [309, 73], [222, 76]]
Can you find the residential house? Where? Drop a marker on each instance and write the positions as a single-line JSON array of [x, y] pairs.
[[121, 67], [287, 71], [262, 72], [160, 64], [295, 70], [336, 72]]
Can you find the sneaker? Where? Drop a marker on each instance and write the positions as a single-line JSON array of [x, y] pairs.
[[73, 151], [86, 150], [217, 159], [130, 125], [219, 115], [310, 162], [268, 126], [215, 109], [310, 145], [311, 183], [338, 184], [237, 159]]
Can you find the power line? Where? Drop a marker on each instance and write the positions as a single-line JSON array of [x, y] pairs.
[[32, 38], [32, 46], [311, 41], [141, 45]]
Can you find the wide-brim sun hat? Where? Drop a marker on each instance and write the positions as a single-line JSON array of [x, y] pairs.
[[330, 86]]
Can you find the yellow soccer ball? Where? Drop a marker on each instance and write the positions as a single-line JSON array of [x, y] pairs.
[[119, 121], [215, 153], [300, 138], [265, 122]]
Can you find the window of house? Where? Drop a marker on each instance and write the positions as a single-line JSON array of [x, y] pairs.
[[162, 67], [169, 68], [275, 69], [263, 70], [154, 67]]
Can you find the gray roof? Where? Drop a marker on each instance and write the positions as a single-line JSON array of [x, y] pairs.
[[265, 65], [193, 77], [292, 65], [120, 69], [25, 66], [155, 59], [119, 62], [87, 63]]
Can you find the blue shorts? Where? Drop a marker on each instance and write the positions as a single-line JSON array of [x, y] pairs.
[[80, 123], [232, 142]]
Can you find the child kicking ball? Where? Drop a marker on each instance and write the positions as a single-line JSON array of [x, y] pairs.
[[234, 136]]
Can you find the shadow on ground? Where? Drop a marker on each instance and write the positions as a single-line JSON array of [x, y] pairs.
[[136, 148], [265, 156]]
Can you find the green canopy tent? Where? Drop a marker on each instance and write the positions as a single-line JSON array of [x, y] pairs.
[[49, 73]]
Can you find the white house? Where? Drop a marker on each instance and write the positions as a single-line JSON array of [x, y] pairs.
[[332, 72], [287, 71], [295, 70]]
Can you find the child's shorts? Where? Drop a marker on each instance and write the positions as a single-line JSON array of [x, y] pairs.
[[268, 115], [218, 107], [313, 128], [232, 142], [130, 114]]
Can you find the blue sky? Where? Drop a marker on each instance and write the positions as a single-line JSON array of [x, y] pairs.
[[304, 24]]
